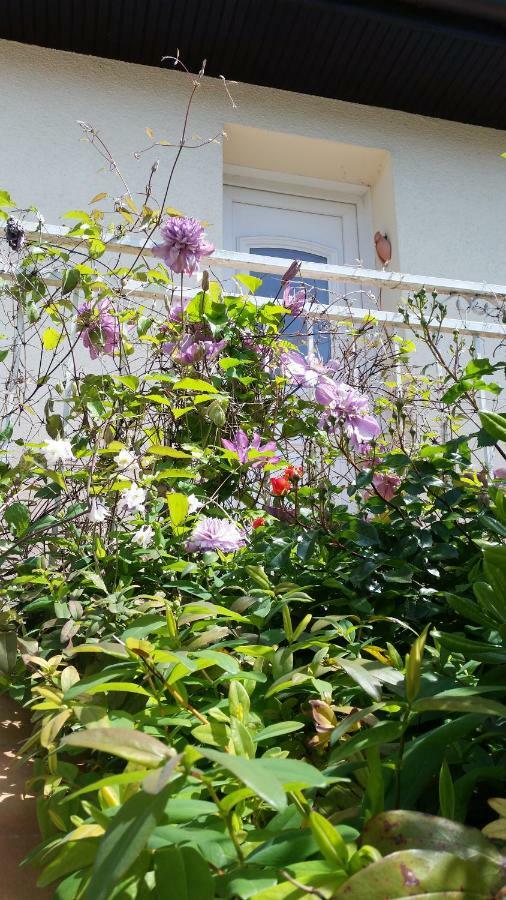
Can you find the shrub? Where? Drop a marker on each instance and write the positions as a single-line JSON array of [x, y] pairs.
[[255, 608]]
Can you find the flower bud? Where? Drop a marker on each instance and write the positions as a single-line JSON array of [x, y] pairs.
[[216, 413]]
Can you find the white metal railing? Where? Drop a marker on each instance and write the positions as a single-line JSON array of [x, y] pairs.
[[234, 262]]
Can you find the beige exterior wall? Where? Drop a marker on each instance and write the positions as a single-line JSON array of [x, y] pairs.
[[437, 188]]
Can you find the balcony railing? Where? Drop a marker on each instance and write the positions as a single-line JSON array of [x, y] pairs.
[[343, 281]]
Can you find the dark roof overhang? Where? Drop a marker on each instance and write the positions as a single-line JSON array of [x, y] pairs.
[[440, 58]]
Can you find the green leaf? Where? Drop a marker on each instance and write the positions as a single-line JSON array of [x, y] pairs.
[[361, 676], [175, 473], [73, 855], [51, 338], [178, 507], [127, 687], [273, 731], [293, 773], [70, 280], [446, 792], [241, 738], [477, 650], [125, 840], [128, 777], [158, 450], [5, 199], [481, 706], [494, 424], [415, 830], [18, 517], [135, 746], [194, 384], [287, 847], [330, 842], [250, 773], [425, 753], [250, 282], [384, 733], [410, 873], [130, 381], [182, 873]]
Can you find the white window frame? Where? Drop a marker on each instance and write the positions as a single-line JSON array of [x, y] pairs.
[[313, 190]]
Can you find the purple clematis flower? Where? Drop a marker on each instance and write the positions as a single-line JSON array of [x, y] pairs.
[[345, 402], [294, 302], [215, 534], [184, 244], [242, 446], [99, 327]]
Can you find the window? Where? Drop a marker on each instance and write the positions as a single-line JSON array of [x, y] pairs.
[[264, 217]]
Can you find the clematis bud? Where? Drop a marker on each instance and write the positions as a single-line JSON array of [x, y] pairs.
[[216, 413], [291, 272]]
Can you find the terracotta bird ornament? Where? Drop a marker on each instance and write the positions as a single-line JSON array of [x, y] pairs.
[[383, 247]]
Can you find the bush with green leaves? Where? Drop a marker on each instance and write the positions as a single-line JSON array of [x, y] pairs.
[[255, 608]]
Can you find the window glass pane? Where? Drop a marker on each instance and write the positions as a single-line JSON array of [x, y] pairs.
[[296, 328]]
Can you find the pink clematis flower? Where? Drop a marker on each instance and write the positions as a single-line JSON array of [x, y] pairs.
[[386, 485], [184, 244], [190, 350], [345, 402], [215, 534], [242, 446], [294, 301], [99, 327], [306, 371], [178, 308]]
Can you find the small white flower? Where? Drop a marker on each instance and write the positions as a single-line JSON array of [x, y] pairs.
[[126, 461], [132, 500], [193, 504], [144, 536], [98, 512], [57, 451]]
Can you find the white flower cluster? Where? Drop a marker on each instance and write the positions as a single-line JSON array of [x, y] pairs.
[[55, 451]]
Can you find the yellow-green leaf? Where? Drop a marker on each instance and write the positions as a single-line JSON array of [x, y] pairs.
[[414, 665], [51, 338], [178, 507]]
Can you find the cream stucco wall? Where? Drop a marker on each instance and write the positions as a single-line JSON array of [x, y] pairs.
[[438, 187]]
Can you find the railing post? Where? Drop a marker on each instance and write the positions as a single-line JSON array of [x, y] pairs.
[[67, 374], [479, 349]]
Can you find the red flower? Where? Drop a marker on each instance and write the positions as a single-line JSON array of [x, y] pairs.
[[294, 472], [257, 523], [280, 486]]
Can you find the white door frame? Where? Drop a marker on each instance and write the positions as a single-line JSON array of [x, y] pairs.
[[312, 190]]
